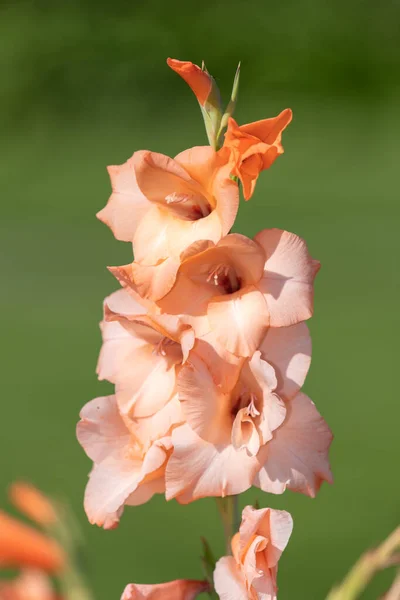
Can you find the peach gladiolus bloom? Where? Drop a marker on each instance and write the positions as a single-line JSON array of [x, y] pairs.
[[199, 81], [163, 205], [251, 571], [254, 147], [24, 546], [262, 432], [244, 286], [29, 585], [126, 471], [180, 589], [141, 355], [33, 503]]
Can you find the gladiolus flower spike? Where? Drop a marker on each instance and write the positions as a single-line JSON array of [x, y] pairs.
[[207, 347]]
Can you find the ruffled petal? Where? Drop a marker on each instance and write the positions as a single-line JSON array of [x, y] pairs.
[[239, 320], [276, 526], [127, 204], [288, 350], [229, 583], [297, 457], [287, 283], [119, 468], [215, 469]]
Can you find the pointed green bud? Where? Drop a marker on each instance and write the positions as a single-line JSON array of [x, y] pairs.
[[230, 109]]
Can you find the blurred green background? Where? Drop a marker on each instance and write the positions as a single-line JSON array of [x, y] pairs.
[[84, 85]]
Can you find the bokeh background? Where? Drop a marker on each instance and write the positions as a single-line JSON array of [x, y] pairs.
[[85, 84]]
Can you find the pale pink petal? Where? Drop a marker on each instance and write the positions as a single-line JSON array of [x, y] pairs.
[[244, 433], [274, 525], [187, 340], [215, 469], [289, 273], [147, 430], [223, 365], [118, 346], [117, 471], [101, 431], [180, 589], [297, 457], [118, 343], [147, 490], [288, 349], [229, 583], [239, 320], [123, 303], [205, 407], [127, 205], [259, 376], [262, 372], [145, 383], [265, 586]]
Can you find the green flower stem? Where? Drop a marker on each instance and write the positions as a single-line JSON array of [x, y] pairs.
[[229, 510], [365, 568]]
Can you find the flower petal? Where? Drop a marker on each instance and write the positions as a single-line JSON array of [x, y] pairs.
[[269, 130], [24, 546], [274, 525], [118, 469], [204, 406], [228, 580], [199, 81], [239, 320], [180, 589], [127, 205], [215, 469], [288, 350], [146, 381], [297, 457], [289, 273], [155, 281]]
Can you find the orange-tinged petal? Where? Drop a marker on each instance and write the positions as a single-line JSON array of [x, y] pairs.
[[254, 147], [239, 320], [297, 456], [155, 281], [198, 80], [194, 199], [269, 130], [288, 280], [180, 589], [21, 545], [33, 503]]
